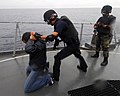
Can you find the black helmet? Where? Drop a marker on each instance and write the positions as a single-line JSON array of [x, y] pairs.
[[106, 9], [49, 15]]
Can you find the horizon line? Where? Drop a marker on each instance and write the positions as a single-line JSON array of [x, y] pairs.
[[54, 8]]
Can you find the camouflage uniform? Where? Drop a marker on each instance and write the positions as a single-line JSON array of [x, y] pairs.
[[103, 42], [104, 27]]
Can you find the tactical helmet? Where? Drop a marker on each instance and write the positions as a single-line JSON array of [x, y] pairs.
[[49, 16], [106, 9]]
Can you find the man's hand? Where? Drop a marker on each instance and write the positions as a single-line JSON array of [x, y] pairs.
[[32, 37], [95, 32], [50, 38], [35, 35]]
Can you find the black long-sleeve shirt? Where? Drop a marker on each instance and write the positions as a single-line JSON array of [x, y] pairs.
[[37, 53]]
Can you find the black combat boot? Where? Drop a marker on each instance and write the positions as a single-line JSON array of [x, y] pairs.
[[83, 65], [96, 55], [105, 61]]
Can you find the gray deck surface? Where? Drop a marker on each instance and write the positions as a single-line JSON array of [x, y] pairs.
[[12, 74]]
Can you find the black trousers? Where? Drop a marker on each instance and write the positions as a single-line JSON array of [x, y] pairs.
[[65, 52]]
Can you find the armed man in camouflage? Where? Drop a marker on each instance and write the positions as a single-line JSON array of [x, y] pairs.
[[103, 29]]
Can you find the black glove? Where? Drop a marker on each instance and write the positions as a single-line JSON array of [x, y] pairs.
[[37, 35], [50, 38]]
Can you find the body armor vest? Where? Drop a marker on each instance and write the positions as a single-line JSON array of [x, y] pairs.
[[70, 35]]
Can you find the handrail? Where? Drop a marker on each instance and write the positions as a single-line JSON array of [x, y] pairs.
[[44, 22], [17, 30], [25, 22]]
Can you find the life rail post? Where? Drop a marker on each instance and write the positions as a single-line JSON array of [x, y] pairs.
[[81, 32], [15, 38]]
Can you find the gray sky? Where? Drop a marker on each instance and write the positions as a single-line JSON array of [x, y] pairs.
[[57, 3]]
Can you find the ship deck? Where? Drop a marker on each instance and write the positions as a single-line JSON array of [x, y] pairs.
[[12, 73]]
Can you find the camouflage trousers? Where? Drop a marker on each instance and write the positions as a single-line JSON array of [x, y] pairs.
[[103, 42]]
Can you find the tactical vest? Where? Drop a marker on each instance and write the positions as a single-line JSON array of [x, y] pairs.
[[70, 35], [106, 21]]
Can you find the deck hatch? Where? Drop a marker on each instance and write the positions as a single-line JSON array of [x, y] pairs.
[[106, 88]]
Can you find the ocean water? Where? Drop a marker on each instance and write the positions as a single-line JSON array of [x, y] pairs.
[[76, 15]]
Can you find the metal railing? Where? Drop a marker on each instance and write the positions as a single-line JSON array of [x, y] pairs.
[[79, 25]]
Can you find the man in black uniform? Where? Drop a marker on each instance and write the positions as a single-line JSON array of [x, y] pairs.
[[104, 27], [64, 29]]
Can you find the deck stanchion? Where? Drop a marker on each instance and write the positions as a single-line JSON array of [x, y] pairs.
[[15, 38], [81, 32]]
